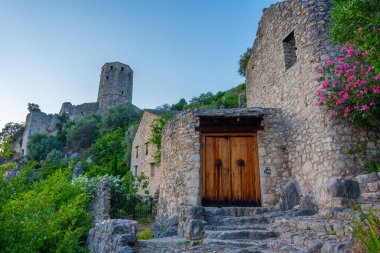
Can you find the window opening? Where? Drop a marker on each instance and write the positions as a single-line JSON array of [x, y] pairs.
[[137, 151], [152, 169], [146, 148], [290, 49]]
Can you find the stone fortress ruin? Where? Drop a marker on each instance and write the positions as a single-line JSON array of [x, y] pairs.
[[115, 88]]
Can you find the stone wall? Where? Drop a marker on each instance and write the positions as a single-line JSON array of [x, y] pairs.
[[180, 164], [38, 122], [315, 146], [143, 151], [101, 205], [76, 111], [116, 85]]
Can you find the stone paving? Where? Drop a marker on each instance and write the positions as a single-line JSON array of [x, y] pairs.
[[246, 230]]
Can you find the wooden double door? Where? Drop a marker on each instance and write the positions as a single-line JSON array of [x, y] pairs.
[[230, 170]]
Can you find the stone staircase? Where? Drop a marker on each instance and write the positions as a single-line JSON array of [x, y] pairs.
[[262, 230], [265, 230]]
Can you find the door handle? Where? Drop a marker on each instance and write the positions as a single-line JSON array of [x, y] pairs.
[[218, 164], [240, 163]]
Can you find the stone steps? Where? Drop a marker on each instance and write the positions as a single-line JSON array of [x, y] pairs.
[[242, 227], [341, 228], [241, 234], [236, 221]]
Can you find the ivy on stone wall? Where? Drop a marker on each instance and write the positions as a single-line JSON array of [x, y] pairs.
[[157, 128]]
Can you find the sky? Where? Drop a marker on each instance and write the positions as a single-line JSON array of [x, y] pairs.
[[52, 51]]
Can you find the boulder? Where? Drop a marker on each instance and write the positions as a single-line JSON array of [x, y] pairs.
[[77, 170], [165, 227], [290, 196], [74, 156], [344, 188], [113, 236]]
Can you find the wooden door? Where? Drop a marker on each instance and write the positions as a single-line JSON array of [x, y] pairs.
[[230, 170]]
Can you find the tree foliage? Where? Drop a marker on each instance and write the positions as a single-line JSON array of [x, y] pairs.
[[50, 216], [33, 107], [83, 132], [40, 145], [119, 117], [243, 62], [358, 22], [109, 151]]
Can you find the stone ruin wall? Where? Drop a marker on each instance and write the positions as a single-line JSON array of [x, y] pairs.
[[180, 164], [38, 122], [317, 147], [76, 111], [144, 161]]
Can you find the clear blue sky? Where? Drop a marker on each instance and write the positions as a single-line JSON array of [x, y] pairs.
[[52, 51]]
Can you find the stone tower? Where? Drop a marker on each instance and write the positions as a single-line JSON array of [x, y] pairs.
[[116, 84]]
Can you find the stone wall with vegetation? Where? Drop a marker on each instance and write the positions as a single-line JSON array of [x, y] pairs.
[[317, 147], [142, 157], [38, 122]]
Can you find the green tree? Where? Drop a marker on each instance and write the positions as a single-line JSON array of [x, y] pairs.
[[83, 132], [108, 151], [180, 105], [243, 62], [358, 22], [119, 117], [50, 216], [40, 145], [33, 107]]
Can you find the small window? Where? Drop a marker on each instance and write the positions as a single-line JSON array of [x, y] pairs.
[[136, 171], [146, 148], [137, 151], [111, 68], [122, 92], [152, 169], [122, 68], [107, 77], [290, 49]]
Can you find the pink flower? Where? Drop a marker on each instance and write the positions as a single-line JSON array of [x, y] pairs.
[[334, 83], [360, 29], [364, 107], [340, 101], [323, 99], [349, 53], [366, 52], [376, 77], [351, 78], [345, 115], [343, 49], [324, 85], [345, 96], [318, 70], [347, 109], [372, 103], [329, 63], [318, 93], [356, 107], [340, 59]]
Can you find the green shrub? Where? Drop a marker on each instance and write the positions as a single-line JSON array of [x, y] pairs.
[[373, 166], [108, 151], [144, 235], [120, 116], [40, 145], [244, 59], [367, 229], [50, 216], [83, 132], [357, 22]]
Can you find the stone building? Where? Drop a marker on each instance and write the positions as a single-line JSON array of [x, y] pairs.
[[282, 150], [115, 88], [143, 151]]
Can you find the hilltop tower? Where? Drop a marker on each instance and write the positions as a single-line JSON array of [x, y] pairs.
[[116, 85]]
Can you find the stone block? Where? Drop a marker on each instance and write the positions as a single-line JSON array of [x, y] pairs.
[[365, 178], [289, 197], [343, 188]]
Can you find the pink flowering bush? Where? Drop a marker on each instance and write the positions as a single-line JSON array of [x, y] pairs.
[[350, 88]]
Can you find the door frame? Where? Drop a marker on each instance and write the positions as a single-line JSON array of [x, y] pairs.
[[203, 162]]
